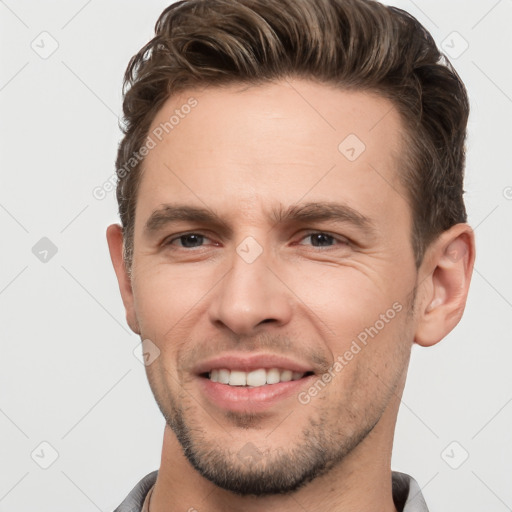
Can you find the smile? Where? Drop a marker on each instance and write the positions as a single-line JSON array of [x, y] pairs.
[[255, 378]]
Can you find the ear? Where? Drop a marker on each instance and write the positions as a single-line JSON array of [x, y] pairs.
[[115, 246], [444, 278]]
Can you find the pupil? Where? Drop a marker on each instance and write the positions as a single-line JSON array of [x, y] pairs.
[[321, 238], [191, 240]]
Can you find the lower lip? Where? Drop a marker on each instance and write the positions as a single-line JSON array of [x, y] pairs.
[[239, 398]]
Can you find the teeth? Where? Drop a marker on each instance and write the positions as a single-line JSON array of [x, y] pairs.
[[256, 378], [273, 376], [223, 376], [238, 378], [286, 375]]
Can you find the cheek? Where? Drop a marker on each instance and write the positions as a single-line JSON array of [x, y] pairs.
[[345, 299], [362, 323], [168, 299]]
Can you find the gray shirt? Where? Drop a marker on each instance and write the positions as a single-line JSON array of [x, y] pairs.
[[406, 494]]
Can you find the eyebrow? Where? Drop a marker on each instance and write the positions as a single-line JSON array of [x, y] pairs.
[[323, 211], [298, 213], [169, 213]]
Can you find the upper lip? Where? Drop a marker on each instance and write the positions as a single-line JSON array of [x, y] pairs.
[[249, 362]]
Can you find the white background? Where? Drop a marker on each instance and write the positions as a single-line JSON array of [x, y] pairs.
[[68, 375]]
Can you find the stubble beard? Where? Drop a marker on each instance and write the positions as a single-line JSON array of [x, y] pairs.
[[254, 471]]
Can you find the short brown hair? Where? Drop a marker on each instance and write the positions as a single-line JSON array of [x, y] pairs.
[[353, 44]]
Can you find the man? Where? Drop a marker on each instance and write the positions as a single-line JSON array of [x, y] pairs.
[[290, 191]]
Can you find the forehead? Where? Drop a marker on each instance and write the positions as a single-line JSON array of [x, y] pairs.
[[277, 143]]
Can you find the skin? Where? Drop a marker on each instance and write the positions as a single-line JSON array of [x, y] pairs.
[[240, 153]]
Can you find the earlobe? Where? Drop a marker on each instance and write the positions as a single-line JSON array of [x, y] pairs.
[[445, 277], [115, 246]]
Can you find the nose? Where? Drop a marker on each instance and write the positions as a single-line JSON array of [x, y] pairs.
[[250, 295]]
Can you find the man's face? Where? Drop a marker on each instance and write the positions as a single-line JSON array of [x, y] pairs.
[[300, 258]]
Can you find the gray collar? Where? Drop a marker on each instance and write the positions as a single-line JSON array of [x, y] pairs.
[[406, 494]]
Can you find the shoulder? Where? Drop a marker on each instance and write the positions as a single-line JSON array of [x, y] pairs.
[[135, 499], [407, 494]]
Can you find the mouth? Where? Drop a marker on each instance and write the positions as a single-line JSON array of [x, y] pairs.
[[254, 391], [251, 382]]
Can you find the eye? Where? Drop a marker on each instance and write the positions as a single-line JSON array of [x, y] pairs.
[[187, 240], [321, 239]]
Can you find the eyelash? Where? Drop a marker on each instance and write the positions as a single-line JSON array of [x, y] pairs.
[[341, 240]]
